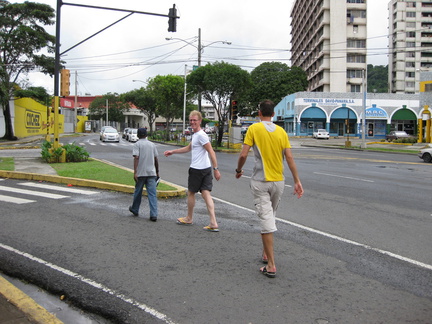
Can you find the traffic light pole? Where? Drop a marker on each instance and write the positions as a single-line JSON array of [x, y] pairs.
[[172, 15]]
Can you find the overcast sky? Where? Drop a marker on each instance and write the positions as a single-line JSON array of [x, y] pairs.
[[136, 48]]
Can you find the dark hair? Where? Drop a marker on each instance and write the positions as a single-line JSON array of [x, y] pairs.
[[267, 108]]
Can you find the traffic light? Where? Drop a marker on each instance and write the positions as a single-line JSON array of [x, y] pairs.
[[234, 110], [64, 82], [172, 19]]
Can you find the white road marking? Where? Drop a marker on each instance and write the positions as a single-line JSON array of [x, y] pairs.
[[339, 176], [65, 189], [92, 283], [338, 238], [33, 193], [15, 200]]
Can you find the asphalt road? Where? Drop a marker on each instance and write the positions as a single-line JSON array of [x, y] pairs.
[[354, 249]]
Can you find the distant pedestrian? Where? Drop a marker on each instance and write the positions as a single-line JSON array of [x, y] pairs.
[[146, 172], [200, 171], [270, 145]]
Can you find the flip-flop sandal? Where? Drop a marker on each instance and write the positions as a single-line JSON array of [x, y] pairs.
[[181, 221], [210, 229], [269, 274]]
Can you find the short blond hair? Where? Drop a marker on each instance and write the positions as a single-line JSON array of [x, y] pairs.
[[196, 113]]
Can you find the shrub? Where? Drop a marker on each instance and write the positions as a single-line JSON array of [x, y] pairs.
[[73, 153]]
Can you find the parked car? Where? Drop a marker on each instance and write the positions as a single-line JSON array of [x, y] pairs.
[[132, 135], [125, 131], [321, 133], [394, 135], [110, 134], [244, 130], [426, 154]]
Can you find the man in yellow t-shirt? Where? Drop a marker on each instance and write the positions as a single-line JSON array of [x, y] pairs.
[[270, 145]]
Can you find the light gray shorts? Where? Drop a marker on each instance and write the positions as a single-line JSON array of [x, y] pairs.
[[267, 195]]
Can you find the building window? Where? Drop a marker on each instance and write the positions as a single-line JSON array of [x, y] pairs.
[[355, 1], [409, 84], [356, 13], [410, 14], [410, 34], [410, 4], [409, 64], [356, 43], [354, 73], [410, 54], [410, 44], [428, 87], [355, 88], [356, 58], [411, 24], [410, 74]]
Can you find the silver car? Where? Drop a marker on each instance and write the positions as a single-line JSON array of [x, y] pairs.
[[110, 135], [426, 154]]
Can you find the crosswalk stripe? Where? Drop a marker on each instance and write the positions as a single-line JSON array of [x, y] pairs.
[[32, 193], [15, 200], [65, 189]]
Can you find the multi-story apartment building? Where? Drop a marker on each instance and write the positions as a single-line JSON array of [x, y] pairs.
[[410, 43], [328, 41]]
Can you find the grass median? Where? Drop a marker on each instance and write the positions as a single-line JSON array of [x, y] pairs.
[[90, 170]]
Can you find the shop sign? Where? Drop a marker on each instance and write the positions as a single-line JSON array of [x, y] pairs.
[[330, 101], [376, 113], [33, 119]]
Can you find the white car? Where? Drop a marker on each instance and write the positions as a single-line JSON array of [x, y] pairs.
[[426, 154], [321, 133], [110, 135], [132, 135]]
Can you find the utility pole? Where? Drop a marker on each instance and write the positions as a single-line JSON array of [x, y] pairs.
[[199, 64], [75, 123]]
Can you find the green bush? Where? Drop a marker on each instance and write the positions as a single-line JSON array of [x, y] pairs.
[[73, 153]]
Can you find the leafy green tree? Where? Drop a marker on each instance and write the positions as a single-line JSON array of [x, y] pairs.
[[22, 38], [144, 100], [377, 78], [168, 92], [274, 81], [37, 93], [116, 107], [220, 83]]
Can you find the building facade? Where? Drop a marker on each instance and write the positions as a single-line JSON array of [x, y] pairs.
[[341, 114], [410, 43], [328, 41]]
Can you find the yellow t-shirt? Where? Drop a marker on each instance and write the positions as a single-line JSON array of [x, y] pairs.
[[268, 142]]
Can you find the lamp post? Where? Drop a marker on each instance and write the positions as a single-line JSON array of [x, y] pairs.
[[200, 49], [363, 144], [426, 116], [140, 81]]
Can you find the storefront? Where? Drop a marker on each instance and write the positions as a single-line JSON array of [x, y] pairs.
[[341, 114]]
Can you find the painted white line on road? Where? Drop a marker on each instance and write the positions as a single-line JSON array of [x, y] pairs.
[[338, 238], [65, 189], [33, 193], [15, 200], [92, 283], [339, 176]]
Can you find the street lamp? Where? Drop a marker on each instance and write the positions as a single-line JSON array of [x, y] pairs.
[[140, 81], [200, 49]]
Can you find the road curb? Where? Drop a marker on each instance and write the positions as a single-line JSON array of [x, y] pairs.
[[179, 192], [25, 304]]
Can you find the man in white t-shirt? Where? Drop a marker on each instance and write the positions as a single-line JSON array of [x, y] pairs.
[[200, 171]]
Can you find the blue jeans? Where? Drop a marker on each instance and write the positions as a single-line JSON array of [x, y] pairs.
[[150, 183]]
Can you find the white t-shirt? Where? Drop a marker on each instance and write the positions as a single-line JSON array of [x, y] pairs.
[[200, 156]]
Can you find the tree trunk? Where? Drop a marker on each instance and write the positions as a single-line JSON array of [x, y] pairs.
[[9, 133]]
